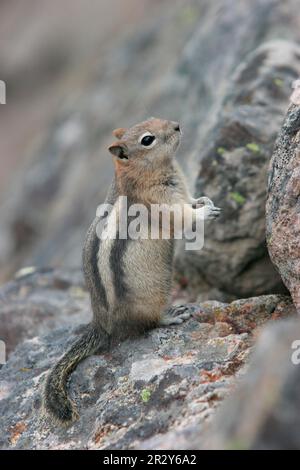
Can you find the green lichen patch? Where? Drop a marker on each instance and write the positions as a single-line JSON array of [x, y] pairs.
[[221, 150], [237, 197], [253, 147], [278, 82], [145, 395]]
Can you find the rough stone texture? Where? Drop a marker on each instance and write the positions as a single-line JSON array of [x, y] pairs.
[[164, 382], [283, 211], [179, 65], [233, 172], [264, 411], [40, 301]]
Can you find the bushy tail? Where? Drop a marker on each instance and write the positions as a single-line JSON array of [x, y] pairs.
[[56, 400]]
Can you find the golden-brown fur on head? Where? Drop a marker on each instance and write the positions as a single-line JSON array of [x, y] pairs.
[[129, 150]]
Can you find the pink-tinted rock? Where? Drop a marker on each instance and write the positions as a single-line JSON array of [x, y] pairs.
[[283, 204]]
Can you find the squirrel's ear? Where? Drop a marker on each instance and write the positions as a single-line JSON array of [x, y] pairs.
[[120, 150], [118, 133]]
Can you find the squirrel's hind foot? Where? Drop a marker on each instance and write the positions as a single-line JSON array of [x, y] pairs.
[[177, 314]]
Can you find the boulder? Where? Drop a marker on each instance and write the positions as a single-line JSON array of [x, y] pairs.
[[283, 212], [233, 173], [40, 300]]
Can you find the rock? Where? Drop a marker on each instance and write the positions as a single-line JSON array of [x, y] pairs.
[[233, 173], [282, 212], [263, 413], [143, 390], [118, 408], [40, 301], [245, 315]]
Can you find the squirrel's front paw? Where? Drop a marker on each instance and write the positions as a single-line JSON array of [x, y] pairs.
[[208, 207], [212, 212]]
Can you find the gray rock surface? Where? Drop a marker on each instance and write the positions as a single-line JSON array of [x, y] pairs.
[[233, 172], [264, 411], [40, 301], [283, 213], [142, 390]]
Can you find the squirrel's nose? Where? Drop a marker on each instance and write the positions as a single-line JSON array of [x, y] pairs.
[[176, 126]]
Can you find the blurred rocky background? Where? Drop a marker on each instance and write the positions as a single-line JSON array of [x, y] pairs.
[[74, 71]]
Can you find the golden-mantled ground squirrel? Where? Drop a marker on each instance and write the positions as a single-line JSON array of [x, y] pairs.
[[129, 280]]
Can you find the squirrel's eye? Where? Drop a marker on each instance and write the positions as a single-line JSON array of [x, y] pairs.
[[147, 140]]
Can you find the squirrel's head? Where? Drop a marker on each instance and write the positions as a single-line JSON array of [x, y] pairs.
[[146, 144]]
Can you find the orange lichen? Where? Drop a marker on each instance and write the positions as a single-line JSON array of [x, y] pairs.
[[16, 431]]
